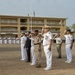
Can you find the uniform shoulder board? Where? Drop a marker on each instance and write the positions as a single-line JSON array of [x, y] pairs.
[[49, 32]]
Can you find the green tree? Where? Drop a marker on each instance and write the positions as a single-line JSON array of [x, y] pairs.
[[73, 26], [67, 27]]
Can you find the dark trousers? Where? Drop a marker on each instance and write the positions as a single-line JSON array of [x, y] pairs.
[[28, 55]]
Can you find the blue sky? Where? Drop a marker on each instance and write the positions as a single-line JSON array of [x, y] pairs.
[[46, 8]]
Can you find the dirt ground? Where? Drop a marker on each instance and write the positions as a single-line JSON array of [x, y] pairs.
[[11, 64]]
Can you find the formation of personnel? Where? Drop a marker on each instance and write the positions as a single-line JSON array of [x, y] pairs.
[[31, 47], [9, 40]]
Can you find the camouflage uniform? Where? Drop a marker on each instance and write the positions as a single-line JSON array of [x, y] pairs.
[[37, 40]]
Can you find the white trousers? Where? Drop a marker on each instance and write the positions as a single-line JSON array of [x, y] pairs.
[[13, 41], [48, 55], [33, 55], [17, 41], [23, 52], [9, 41], [69, 53], [5, 41], [1, 41]]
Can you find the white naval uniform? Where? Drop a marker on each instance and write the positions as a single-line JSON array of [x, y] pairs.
[[32, 51], [46, 43], [5, 41], [9, 40], [0, 40], [13, 40], [17, 41], [23, 50], [69, 38]]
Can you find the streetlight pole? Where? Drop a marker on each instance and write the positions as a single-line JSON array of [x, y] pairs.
[[30, 15]]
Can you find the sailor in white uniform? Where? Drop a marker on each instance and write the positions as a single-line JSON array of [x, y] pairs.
[[5, 40], [69, 45], [32, 50], [17, 41], [13, 40], [23, 47], [0, 40], [47, 42], [9, 40]]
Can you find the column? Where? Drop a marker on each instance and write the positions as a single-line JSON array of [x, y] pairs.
[[28, 24], [45, 22], [62, 27], [0, 26], [19, 27]]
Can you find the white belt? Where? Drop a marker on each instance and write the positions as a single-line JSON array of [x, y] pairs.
[[46, 45], [58, 44], [68, 43], [22, 43], [32, 45]]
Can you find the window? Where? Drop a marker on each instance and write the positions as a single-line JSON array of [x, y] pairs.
[[8, 21], [23, 28], [23, 20]]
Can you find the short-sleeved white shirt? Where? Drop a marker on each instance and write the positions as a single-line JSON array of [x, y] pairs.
[[23, 39], [47, 38], [58, 40], [69, 38]]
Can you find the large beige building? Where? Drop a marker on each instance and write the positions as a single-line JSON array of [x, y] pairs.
[[13, 25]]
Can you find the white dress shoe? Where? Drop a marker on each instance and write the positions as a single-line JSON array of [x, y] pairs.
[[47, 68], [32, 64], [22, 59], [68, 62]]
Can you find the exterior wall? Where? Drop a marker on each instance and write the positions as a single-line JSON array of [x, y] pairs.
[[14, 25]]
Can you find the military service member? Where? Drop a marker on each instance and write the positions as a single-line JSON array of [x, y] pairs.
[[47, 42], [69, 45], [37, 49], [58, 44], [23, 46]]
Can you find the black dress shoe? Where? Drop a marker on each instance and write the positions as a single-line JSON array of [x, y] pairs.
[[37, 66], [27, 61], [59, 57]]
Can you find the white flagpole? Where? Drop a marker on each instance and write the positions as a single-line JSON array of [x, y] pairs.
[[30, 15]]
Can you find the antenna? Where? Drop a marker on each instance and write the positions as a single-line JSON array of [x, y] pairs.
[[28, 14], [34, 13]]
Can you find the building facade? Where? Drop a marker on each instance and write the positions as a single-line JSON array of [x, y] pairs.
[[14, 25]]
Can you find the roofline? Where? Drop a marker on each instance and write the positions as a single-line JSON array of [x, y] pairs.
[[31, 17]]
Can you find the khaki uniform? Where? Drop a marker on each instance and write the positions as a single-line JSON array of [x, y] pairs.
[[37, 40], [58, 42]]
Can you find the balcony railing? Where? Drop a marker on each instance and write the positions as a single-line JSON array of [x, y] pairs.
[[9, 30], [9, 23], [53, 31], [36, 24], [53, 24], [23, 23]]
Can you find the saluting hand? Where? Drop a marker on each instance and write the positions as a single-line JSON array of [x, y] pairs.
[[27, 48], [49, 48], [24, 46], [39, 49], [71, 47]]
